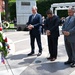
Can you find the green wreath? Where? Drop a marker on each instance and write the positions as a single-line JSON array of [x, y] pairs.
[[3, 47]]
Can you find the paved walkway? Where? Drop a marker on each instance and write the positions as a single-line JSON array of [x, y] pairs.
[[20, 64]]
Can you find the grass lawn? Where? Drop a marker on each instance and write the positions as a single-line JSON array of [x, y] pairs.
[[11, 25]]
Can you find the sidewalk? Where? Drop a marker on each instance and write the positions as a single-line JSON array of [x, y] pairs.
[[23, 65]]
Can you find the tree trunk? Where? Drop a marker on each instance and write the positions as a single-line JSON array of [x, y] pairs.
[[6, 10]]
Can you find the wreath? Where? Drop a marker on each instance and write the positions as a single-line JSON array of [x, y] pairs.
[[4, 47], [6, 24]]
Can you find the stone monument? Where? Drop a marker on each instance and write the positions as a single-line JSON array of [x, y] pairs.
[[23, 10]]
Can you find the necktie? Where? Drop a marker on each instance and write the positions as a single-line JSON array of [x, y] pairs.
[[33, 16], [69, 19]]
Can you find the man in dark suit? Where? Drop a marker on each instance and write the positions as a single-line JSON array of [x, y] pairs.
[[68, 30], [34, 23], [52, 31]]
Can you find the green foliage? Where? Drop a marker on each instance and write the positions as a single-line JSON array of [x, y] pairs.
[[12, 10], [2, 15], [12, 0], [1, 38], [60, 13], [2, 45], [44, 5]]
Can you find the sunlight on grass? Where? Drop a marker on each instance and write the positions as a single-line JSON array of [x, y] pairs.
[[11, 25]]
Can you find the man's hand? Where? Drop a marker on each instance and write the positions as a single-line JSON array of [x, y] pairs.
[[30, 27], [66, 33], [48, 32]]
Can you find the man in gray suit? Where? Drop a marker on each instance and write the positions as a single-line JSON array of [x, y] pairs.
[[68, 30]]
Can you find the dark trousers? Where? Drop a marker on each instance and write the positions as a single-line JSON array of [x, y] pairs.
[[52, 45], [38, 39], [42, 29], [70, 49]]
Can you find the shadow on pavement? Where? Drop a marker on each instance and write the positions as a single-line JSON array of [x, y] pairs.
[[20, 60], [52, 67], [28, 61], [15, 57]]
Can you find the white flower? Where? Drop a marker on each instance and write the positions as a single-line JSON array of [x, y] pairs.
[[0, 44]]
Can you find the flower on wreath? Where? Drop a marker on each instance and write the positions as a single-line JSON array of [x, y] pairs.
[[4, 46]]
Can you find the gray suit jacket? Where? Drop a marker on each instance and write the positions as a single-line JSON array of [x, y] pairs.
[[70, 27]]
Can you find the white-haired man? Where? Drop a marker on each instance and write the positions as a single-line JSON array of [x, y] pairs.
[[68, 30], [34, 23]]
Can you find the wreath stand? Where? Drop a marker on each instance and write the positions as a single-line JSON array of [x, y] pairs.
[[5, 61], [4, 50]]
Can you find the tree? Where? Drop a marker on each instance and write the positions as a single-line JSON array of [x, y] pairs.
[[6, 10], [44, 5], [7, 15], [12, 10]]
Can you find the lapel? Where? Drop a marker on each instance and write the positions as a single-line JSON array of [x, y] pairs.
[[33, 17], [68, 21]]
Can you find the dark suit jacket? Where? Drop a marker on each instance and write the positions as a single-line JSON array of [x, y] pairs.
[[37, 22], [53, 25]]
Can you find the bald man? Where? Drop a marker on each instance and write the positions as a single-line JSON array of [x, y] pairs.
[[68, 30], [34, 23]]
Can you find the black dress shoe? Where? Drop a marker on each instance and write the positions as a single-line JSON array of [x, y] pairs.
[[67, 62], [49, 58], [30, 54], [72, 65], [39, 54], [53, 59]]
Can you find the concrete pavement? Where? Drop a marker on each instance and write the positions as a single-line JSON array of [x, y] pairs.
[[21, 64]]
